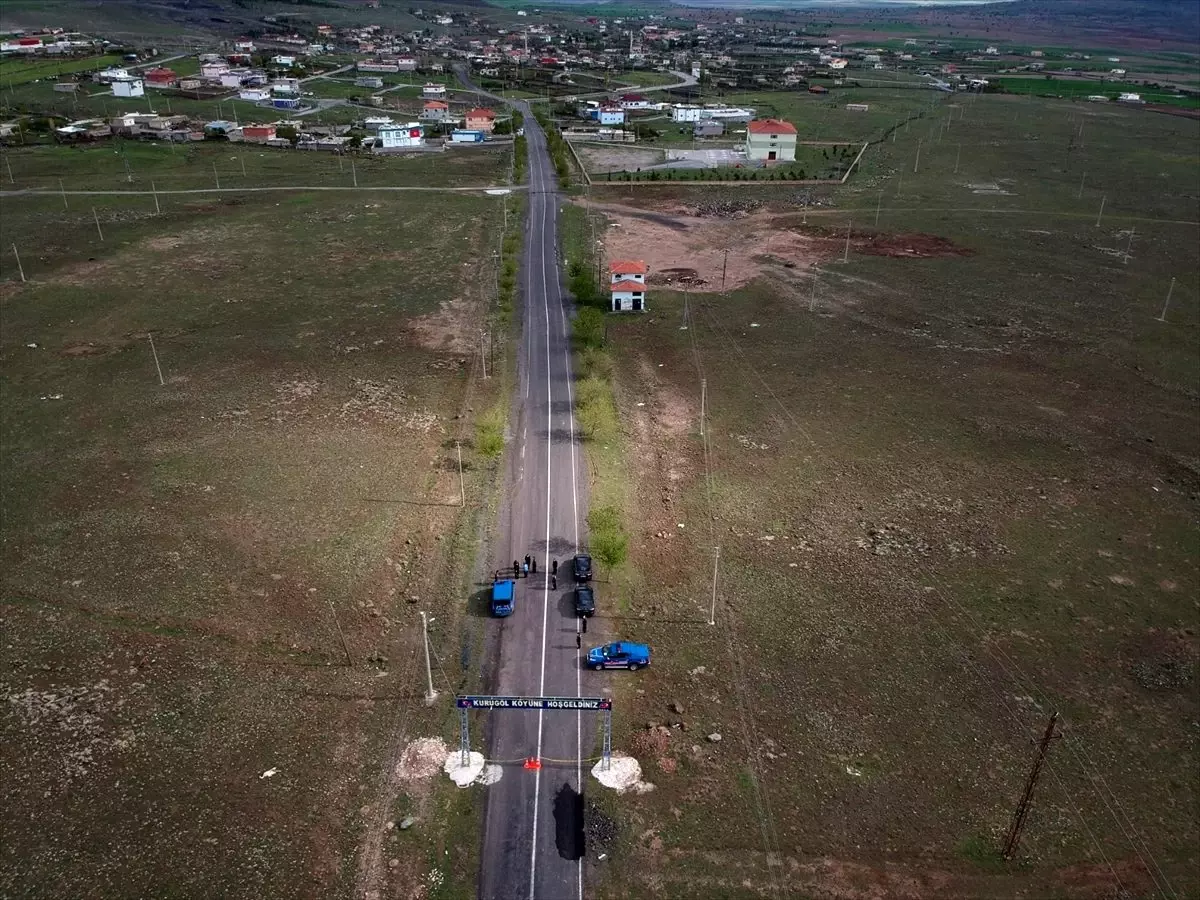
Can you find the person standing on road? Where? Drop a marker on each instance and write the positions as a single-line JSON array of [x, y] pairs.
[[526, 562], [525, 570], [554, 567], [554, 582], [516, 569], [578, 641], [533, 565]]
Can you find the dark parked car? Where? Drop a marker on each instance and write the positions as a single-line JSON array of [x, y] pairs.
[[582, 567], [585, 602]]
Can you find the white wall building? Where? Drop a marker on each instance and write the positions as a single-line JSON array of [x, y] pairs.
[[411, 134], [134, 87], [684, 113]]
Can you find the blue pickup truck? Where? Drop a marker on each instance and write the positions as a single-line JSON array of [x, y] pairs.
[[502, 596], [621, 655]]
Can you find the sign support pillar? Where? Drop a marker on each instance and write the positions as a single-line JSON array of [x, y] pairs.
[[607, 754], [464, 737]]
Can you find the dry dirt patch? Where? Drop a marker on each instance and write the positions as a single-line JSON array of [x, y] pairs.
[[617, 159], [698, 252], [449, 330]]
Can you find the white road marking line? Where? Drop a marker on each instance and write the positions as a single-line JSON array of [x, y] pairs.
[[537, 783]]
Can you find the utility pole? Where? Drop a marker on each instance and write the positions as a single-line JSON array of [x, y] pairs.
[[154, 191], [1100, 215], [1161, 318], [712, 612], [353, 172], [703, 402], [917, 161], [878, 204], [430, 693], [1014, 833], [154, 353], [8, 165], [462, 488], [724, 265], [812, 303], [21, 269], [341, 634], [216, 177], [96, 219], [1082, 178], [957, 157], [846, 252], [1129, 248], [63, 191]]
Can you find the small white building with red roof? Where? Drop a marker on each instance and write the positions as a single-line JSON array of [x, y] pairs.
[[770, 141], [627, 285]]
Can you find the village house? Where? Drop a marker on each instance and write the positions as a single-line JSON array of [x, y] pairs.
[[254, 94], [161, 77], [435, 111], [434, 91], [368, 81], [771, 140], [709, 129], [394, 137], [133, 87], [480, 119], [635, 101], [610, 115], [258, 134], [245, 45], [627, 285]]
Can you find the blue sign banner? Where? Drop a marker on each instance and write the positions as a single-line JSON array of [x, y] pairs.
[[584, 703]]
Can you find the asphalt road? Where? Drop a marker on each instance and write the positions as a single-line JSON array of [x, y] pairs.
[[533, 823]]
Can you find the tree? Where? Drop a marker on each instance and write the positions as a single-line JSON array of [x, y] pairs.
[[588, 328]]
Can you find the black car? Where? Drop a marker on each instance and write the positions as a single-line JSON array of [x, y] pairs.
[[585, 602], [582, 567]]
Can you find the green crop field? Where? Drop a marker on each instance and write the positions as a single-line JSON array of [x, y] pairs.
[[948, 486], [227, 428]]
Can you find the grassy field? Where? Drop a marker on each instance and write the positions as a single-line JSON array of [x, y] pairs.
[[954, 488], [825, 117], [138, 165], [1069, 88], [14, 71], [188, 564]]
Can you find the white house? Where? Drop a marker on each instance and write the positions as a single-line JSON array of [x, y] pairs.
[[627, 285], [434, 91], [411, 134], [254, 94], [285, 61], [285, 86], [683, 113], [838, 63], [213, 69], [113, 75], [244, 46], [1130, 98], [771, 140], [134, 87], [635, 101]]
